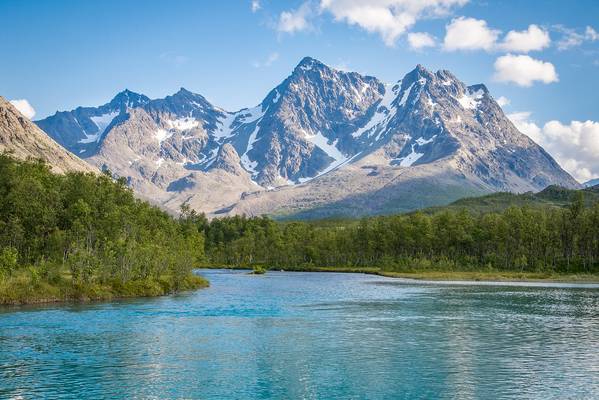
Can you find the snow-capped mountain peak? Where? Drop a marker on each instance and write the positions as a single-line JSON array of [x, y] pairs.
[[128, 99], [317, 124]]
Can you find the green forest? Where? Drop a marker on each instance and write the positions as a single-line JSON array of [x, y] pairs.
[[85, 236], [554, 240]]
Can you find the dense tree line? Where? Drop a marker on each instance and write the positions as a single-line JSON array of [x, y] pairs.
[[88, 231], [548, 239]]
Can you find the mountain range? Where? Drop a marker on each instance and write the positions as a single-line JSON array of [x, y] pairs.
[[322, 143]]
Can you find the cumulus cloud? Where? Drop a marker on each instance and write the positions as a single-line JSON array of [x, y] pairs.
[[256, 5], [464, 33], [272, 57], [469, 34], [503, 101], [525, 125], [295, 20], [24, 107], [524, 70], [420, 40], [388, 18], [575, 146], [534, 38]]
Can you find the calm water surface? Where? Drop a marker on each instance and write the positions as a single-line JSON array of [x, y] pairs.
[[310, 336]]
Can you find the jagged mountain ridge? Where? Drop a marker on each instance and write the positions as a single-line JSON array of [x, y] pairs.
[[318, 128], [81, 129], [24, 140]]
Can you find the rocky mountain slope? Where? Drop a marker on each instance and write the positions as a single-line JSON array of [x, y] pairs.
[[24, 140], [323, 142]]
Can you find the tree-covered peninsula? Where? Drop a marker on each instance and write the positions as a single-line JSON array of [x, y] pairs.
[[82, 236]]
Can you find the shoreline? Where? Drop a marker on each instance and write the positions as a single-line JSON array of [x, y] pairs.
[[447, 276], [71, 295]]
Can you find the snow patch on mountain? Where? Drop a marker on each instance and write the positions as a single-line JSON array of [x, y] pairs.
[[469, 101], [277, 97], [383, 112], [320, 141], [249, 115], [225, 128], [406, 95], [422, 141], [246, 162], [410, 159], [162, 134], [102, 122], [182, 124]]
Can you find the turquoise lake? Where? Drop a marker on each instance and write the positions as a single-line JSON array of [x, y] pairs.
[[310, 336]]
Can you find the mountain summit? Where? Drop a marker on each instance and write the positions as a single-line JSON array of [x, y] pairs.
[[322, 142]]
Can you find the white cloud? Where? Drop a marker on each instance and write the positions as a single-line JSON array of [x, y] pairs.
[[420, 40], [524, 70], [522, 121], [256, 5], [24, 107], [575, 146], [503, 101], [295, 20], [465, 33], [388, 18], [272, 57], [469, 34], [570, 39], [573, 38], [534, 38], [591, 34]]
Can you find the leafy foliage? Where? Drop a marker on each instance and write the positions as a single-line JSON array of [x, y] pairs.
[[518, 238], [86, 231]]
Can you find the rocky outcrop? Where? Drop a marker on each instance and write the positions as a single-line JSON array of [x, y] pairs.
[[228, 160]]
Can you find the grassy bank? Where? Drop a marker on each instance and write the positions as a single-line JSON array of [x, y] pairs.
[[438, 275], [25, 288], [500, 276]]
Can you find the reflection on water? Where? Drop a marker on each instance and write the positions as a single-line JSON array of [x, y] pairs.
[[310, 336]]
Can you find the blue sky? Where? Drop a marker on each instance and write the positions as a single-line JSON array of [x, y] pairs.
[[61, 54]]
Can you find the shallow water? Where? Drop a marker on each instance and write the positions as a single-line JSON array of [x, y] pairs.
[[310, 336]]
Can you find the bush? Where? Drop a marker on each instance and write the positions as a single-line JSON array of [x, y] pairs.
[[8, 261]]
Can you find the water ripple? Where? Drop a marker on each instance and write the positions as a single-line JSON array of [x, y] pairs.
[[310, 336]]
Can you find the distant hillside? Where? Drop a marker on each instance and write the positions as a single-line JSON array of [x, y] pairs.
[[552, 196], [24, 140]]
